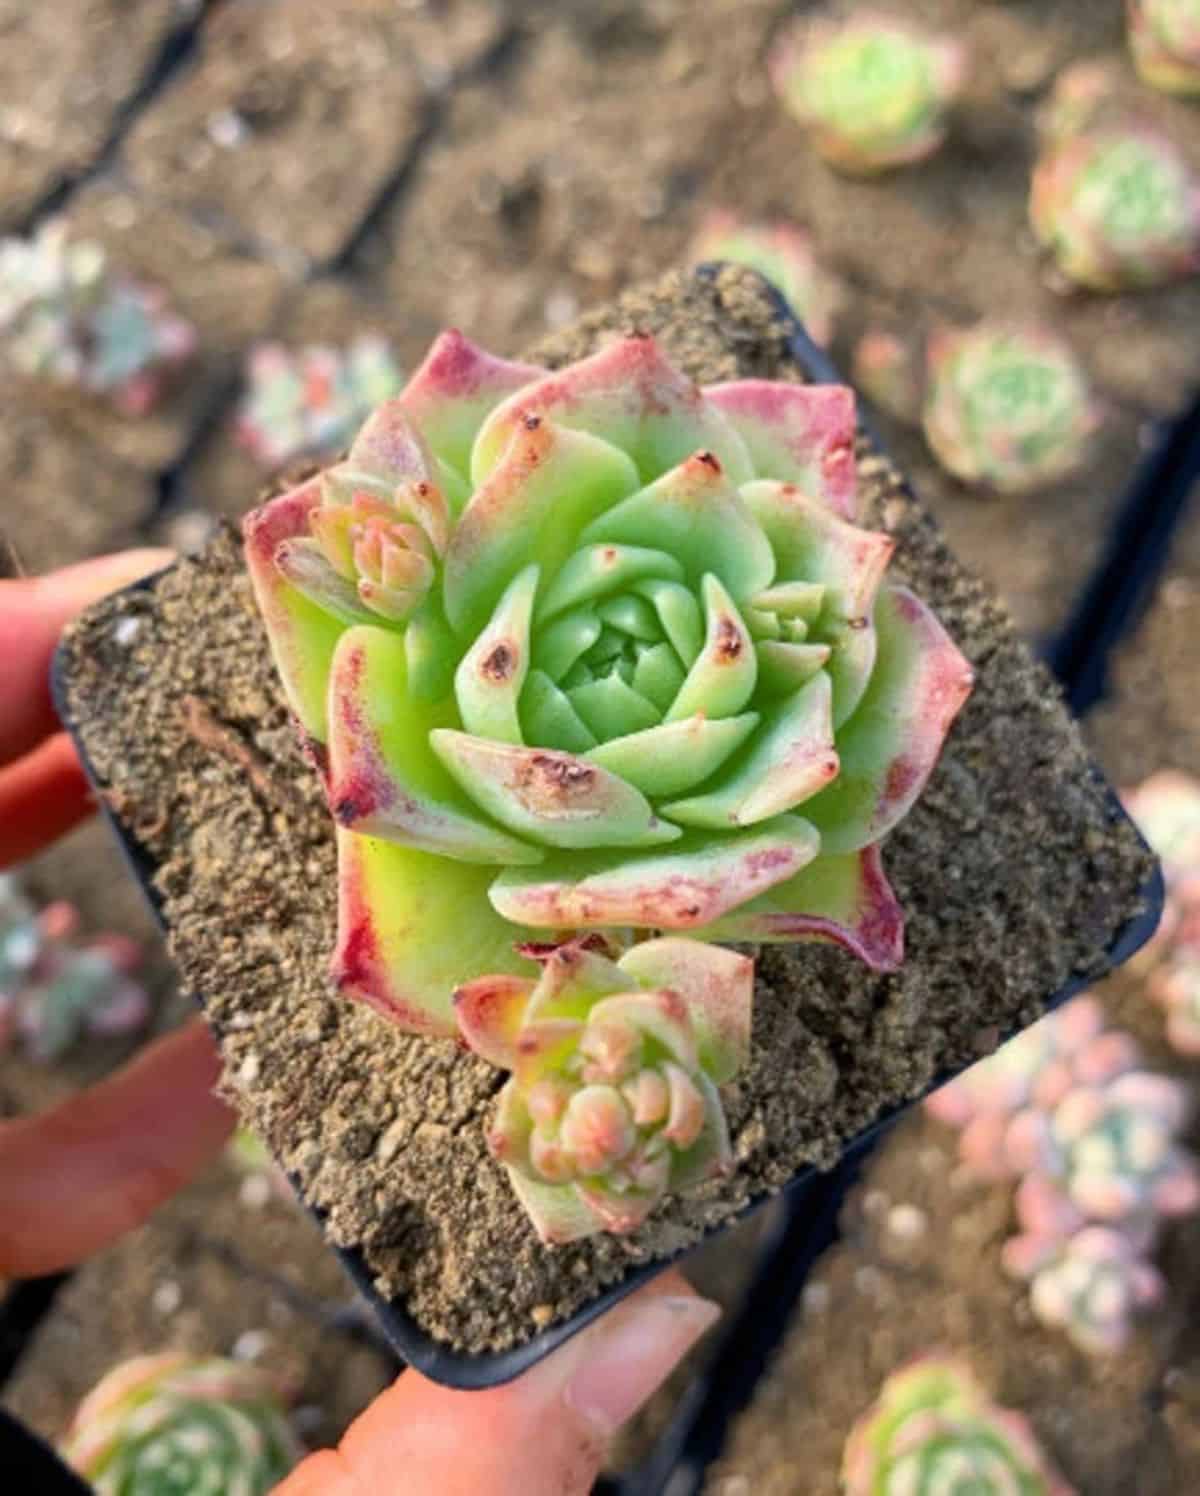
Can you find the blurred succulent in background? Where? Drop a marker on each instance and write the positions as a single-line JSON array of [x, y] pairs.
[[1007, 406], [55, 991], [69, 317], [1085, 93], [887, 369], [1094, 1140], [309, 402], [172, 1424], [613, 1099], [874, 91], [1117, 207], [782, 253], [934, 1429], [1164, 36], [1092, 1286], [598, 650]]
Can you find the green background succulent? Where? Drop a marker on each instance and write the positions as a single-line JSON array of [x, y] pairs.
[[874, 90], [1007, 406], [934, 1429], [635, 668], [1164, 36], [176, 1425]]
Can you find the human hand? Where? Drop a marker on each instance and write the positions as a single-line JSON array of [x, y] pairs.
[[79, 1176], [544, 1434]]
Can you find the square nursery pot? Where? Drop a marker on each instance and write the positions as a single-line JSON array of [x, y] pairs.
[[1020, 878]]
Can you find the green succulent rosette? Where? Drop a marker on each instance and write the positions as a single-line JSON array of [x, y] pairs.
[[1007, 406], [934, 1431], [1164, 37], [178, 1425], [598, 650], [1118, 208], [874, 91]]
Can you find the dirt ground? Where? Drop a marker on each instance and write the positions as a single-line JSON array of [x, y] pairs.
[[307, 169]]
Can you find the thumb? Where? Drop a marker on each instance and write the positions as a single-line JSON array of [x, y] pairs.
[[544, 1434]]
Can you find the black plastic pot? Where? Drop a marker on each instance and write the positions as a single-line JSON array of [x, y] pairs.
[[466, 1371]]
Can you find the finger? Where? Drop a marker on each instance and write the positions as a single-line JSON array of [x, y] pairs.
[[543, 1435], [33, 613], [42, 796], [78, 1177]]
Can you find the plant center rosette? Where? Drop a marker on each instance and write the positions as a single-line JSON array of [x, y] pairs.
[[587, 656]]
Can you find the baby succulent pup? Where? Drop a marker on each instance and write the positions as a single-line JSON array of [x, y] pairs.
[[600, 651], [873, 91]]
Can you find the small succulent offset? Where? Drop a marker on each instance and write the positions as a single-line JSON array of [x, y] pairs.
[[874, 91], [310, 402], [1007, 406], [55, 991], [70, 317], [784, 255], [934, 1429], [177, 1425], [1117, 206], [615, 1066], [1164, 36], [598, 650]]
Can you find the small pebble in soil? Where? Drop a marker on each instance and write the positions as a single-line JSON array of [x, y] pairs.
[[542, 1315], [255, 1191], [126, 631], [166, 1298], [815, 1298], [251, 1345], [906, 1222], [874, 1203]]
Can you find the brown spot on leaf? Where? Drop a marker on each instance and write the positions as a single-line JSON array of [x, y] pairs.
[[729, 641], [499, 665]]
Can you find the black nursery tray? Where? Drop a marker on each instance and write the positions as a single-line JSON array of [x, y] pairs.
[[474, 1370]]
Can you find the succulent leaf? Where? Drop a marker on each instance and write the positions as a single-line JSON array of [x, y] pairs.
[[613, 1101]]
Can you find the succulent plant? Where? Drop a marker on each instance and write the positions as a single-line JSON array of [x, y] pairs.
[[784, 255], [934, 1429], [1027, 1078], [1092, 1285], [177, 1425], [1164, 36], [70, 317], [574, 650], [873, 90], [1006, 406], [310, 402], [886, 369], [1086, 93], [1117, 207], [55, 991], [612, 1102]]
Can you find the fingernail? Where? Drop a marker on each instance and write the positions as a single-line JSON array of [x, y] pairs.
[[632, 1352]]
